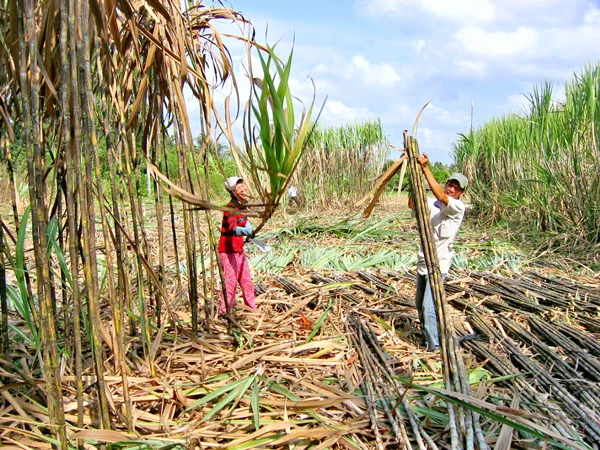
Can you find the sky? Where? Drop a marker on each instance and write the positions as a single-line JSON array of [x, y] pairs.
[[472, 60]]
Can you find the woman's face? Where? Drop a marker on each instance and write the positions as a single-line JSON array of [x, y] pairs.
[[241, 191]]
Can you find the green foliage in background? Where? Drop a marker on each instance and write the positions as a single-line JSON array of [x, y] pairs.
[[540, 171], [341, 164], [440, 171]]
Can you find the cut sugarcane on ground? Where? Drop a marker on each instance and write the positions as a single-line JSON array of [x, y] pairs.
[[336, 358]]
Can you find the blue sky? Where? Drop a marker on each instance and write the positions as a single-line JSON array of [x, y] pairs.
[[386, 58]]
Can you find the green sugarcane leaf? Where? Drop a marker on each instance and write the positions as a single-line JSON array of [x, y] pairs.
[[236, 394], [255, 404], [20, 255], [319, 322], [269, 87], [216, 393], [52, 244], [272, 385], [257, 443]]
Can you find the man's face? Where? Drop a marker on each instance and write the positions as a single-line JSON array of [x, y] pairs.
[[453, 189], [241, 191]]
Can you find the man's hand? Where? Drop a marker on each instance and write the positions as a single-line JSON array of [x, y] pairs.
[[423, 161]]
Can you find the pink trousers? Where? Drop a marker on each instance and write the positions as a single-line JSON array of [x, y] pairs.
[[236, 270]]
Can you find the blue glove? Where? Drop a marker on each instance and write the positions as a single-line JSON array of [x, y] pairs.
[[246, 230]]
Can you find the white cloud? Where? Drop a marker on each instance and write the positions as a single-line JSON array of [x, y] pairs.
[[385, 6], [497, 44], [382, 74], [357, 70], [418, 45], [439, 116], [398, 114], [337, 113], [436, 143], [465, 11], [471, 68], [461, 10], [592, 16], [517, 104], [540, 13], [572, 44]]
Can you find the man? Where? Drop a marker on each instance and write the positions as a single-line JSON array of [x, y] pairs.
[[446, 214], [293, 195]]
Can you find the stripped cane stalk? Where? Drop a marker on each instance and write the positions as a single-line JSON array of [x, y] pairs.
[[370, 399], [160, 208], [208, 288], [3, 300], [123, 286], [68, 92], [136, 217], [88, 214], [189, 232], [431, 259], [29, 73], [109, 244], [377, 376]]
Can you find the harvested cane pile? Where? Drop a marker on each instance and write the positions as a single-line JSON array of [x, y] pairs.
[[335, 361]]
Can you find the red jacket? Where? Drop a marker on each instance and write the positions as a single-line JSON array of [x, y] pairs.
[[229, 242]]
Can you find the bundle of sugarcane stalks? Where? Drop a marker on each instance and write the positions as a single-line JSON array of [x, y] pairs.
[[464, 425], [382, 388]]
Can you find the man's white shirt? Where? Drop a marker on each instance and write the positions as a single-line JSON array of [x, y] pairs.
[[445, 220]]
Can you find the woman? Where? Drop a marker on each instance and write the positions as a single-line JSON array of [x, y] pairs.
[[234, 229]]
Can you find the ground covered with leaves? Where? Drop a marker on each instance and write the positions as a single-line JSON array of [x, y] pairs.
[[335, 359]]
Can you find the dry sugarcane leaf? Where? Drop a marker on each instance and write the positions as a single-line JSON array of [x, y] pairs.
[[102, 435], [505, 438], [381, 182], [304, 361], [315, 433], [182, 194], [267, 429], [256, 354]]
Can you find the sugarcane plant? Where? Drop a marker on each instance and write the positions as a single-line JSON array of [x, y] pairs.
[[274, 139], [88, 87], [341, 162], [538, 170]]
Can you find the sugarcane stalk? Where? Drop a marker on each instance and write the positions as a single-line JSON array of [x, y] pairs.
[[110, 244], [426, 233], [29, 75], [88, 216], [383, 395], [585, 414], [376, 375], [3, 299], [576, 354], [371, 399], [67, 91], [505, 368], [380, 373]]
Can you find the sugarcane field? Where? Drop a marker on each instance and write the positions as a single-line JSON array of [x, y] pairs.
[[265, 279]]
